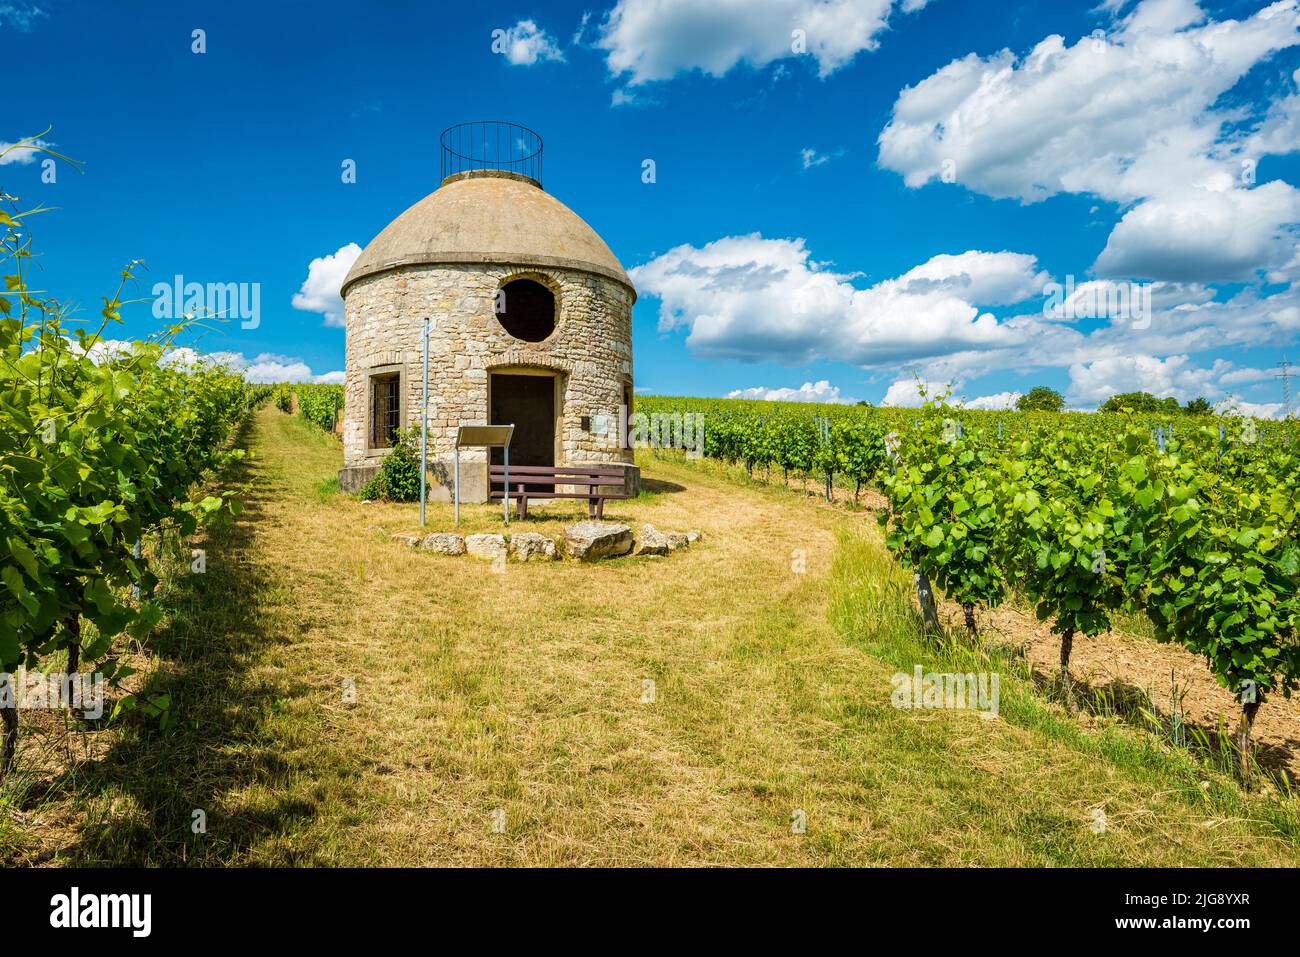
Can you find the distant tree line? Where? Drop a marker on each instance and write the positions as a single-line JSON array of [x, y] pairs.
[[1043, 399]]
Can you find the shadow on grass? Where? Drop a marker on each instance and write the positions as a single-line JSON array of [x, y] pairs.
[[660, 487], [142, 795]]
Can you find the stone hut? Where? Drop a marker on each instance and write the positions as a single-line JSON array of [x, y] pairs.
[[531, 318]]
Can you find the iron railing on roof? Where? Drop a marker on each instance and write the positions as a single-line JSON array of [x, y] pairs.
[[491, 144]]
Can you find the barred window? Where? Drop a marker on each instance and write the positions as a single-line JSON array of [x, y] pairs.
[[385, 409]]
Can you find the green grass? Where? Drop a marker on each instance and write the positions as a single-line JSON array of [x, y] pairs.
[[872, 607], [522, 691]]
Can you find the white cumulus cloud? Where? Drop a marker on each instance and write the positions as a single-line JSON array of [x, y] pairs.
[[819, 391], [525, 44], [996, 402], [1094, 382], [23, 152], [1254, 410], [1134, 116], [1205, 234], [906, 393], [755, 299], [990, 279], [320, 290], [102, 350], [267, 367], [657, 39]]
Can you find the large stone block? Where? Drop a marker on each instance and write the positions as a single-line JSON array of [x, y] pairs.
[[353, 478], [652, 541], [532, 547], [486, 547], [591, 541], [444, 543]]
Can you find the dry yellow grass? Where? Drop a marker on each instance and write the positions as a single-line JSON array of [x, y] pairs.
[[521, 691]]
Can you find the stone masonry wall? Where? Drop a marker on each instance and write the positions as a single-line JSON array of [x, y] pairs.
[[591, 346]]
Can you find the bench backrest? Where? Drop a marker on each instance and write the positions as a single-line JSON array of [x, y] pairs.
[[593, 476]]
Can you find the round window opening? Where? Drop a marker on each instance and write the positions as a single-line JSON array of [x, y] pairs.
[[526, 309]]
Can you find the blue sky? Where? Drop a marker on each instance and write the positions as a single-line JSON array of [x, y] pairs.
[[847, 194]]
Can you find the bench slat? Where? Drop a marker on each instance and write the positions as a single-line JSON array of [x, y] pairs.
[[558, 480], [498, 471], [558, 468], [513, 494]]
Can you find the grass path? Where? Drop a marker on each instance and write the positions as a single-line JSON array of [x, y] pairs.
[[480, 692]]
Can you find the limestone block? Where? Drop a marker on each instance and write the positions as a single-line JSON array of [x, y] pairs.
[[652, 541], [487, 547], [444, 543], [590, 541], [532, 547]]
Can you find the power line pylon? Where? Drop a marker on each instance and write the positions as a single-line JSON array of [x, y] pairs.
[[1285, 376]]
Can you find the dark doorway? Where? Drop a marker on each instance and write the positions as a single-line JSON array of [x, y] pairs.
[[527, 401]]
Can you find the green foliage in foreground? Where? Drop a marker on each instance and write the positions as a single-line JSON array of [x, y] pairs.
[[1199, 532], [946, 525], [97, 446], [399, 475]]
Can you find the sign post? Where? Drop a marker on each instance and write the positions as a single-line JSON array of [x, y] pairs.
[[485, 437], [424, 425]]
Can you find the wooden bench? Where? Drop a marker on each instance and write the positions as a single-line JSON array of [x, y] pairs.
[[544, 481]]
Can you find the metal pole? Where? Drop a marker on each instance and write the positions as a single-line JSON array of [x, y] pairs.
[[137, 553], [457, 483], [506, 488], [424, 424]]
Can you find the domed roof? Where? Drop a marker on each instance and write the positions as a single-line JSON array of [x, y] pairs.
[[489, 216]]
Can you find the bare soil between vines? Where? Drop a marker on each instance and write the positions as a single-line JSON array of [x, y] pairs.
[[1146, 673]]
